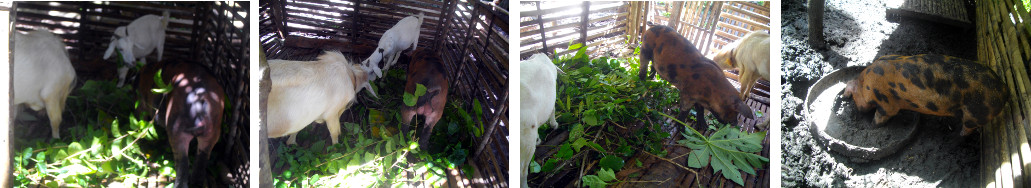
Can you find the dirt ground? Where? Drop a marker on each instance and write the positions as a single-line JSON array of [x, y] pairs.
[[857, 32]]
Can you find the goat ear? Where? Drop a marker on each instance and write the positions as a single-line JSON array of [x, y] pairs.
[[367, 86], [110, 48], [120, 31]]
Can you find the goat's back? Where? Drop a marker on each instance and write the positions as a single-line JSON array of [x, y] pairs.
[[537, 87], [306, 91], [41, 68]]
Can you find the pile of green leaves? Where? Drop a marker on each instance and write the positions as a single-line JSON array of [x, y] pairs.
[[108, 145], [373, 153], [597, 97]]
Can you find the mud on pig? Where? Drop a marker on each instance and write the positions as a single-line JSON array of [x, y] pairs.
[[930, 84]]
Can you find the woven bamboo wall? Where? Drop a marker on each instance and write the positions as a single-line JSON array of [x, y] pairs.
[[712, 25], [471, 37], [605, 23], [214, 33], [1003, 46]]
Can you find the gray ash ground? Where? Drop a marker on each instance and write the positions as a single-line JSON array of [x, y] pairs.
[[857, 32]]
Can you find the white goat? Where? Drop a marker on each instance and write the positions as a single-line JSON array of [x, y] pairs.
[[404, 34], [307, 91], [537, 92], [137, 41], [43, 75], [751, 56]]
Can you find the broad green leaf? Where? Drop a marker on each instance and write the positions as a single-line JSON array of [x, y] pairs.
[[161, 86], [535, 167], [420, 90], [612, 162], [575, 46], [727, 151], [606, 174], [593, 181], [565, 151], [410, 99], [577, 132], [579, 143]]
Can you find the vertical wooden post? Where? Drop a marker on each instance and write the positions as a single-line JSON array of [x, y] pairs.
[[6, 174], [264, 88], [540, 24], [674, 19], [445, 15], [718, 7], [355, 19], [83, 33], [584, 20]]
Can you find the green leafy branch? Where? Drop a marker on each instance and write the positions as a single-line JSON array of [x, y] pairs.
[[727, 150]]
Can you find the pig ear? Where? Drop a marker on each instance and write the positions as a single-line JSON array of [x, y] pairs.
[[850, 88]]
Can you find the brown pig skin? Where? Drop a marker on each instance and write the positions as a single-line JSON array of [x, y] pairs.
[[930, 84], [700, 81]]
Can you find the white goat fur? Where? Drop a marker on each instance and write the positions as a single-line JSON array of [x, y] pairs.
[[43, 75], [537, 80], [307, 91], [404, 34], [137, 40], [750, 55]]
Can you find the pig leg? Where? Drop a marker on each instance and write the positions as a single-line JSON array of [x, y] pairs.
[[431, 120], [205, 144], [181, 149], [54, 107], [645, 58], [406, 119]]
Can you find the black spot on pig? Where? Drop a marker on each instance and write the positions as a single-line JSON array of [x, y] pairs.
[[881, 110], [381, 50], [878, 70], [695, 76], [867, 87], [931, 106], [892, 84], [911, 104], [659, 50], [880, 97], [894, 94], [902, 87], [943, 86], [929, 77], [682, 66], [974, 102]]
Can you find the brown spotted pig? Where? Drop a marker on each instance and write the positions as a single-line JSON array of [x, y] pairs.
[[700, 80], [930, 84], [426, 69]]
